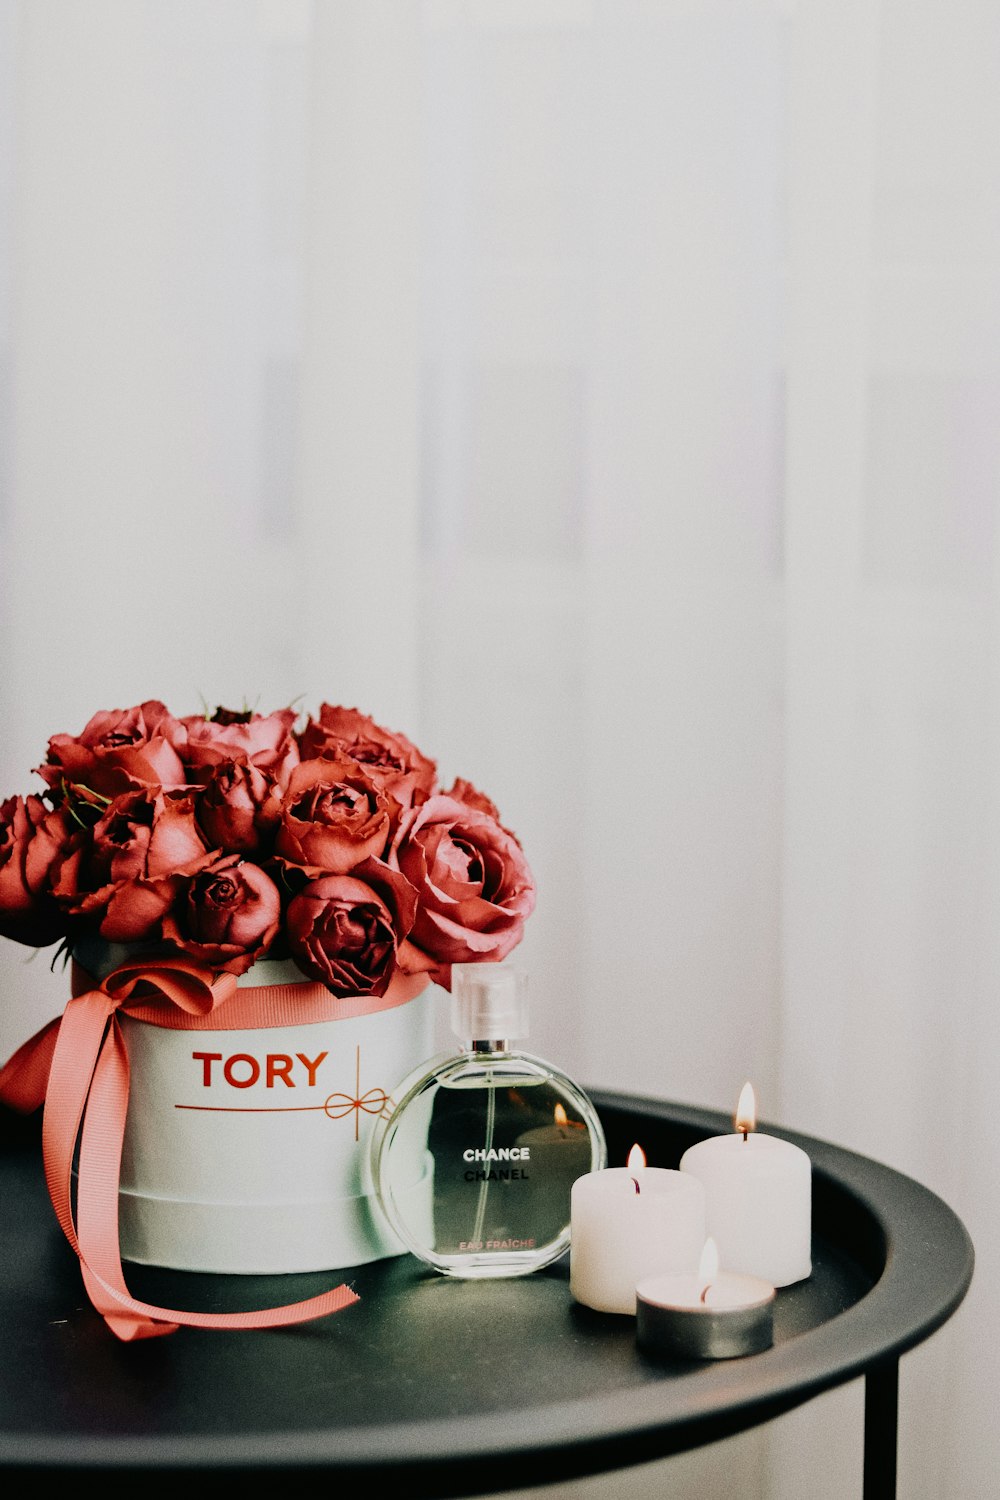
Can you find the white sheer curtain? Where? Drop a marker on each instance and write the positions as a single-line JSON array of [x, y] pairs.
[[605, 392]]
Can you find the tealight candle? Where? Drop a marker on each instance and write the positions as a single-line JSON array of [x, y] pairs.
[[758, 1198], [629, 1222], [712, 1315]]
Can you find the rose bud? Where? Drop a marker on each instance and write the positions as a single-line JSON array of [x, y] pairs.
[[265, 740], [345, 933], [117, 750], [227, 916], [333, 816], [238, 810], [128, 875], [33, 840], [391, 759], [473, 884]]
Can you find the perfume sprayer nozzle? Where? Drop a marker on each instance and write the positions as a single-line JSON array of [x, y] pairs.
[[489, 1002]]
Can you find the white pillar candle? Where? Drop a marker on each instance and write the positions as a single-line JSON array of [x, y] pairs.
[[758, 1199], [629, 1222]]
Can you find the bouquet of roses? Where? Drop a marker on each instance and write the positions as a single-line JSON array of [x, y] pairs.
[[236, 836]]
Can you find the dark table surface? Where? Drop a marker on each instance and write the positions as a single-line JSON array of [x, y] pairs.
[[448, 1387]]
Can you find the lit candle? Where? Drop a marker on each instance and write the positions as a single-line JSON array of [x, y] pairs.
[[560, 1153], [711, 1315], [758, 1198], [629, 1222], [564, 1135]]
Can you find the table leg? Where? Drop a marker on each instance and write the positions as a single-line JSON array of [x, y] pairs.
[[881, 1420]]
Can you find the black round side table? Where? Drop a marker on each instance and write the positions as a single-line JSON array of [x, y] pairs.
[[445, 1387]]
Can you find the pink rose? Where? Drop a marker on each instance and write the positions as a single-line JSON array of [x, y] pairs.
[[228, 916], [127, 876], [266, 741], [238, 809], [118, 750], [33, 840], [473, 884], [333, 816], [390, 759], [346, 930]]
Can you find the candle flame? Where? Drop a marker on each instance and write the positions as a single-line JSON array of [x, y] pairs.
[[708, 1266], [746, 1110], [559, 1114], [636, 1158]]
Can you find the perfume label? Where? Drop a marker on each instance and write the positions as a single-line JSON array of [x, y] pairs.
[[501, 1153], [497, 1174], [490, 1173], [509, 1244]]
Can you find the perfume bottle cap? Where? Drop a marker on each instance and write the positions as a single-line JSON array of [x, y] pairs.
[[489, 1002]]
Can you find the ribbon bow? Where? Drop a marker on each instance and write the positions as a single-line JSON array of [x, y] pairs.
[[373, 1102], [78, 1067]]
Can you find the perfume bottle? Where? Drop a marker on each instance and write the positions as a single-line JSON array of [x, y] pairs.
[[502, 1136]]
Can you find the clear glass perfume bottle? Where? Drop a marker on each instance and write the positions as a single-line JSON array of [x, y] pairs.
[[504, 1136]]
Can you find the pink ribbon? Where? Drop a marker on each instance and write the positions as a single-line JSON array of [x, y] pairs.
[[78, 1067]]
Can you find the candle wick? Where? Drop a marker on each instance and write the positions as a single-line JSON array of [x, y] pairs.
[[746, 1132], [704, 1292], [636, 1184]]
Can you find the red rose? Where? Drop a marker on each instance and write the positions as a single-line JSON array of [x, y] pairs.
[[146, 835], [392, 761], [228, 916], [345, 930], [265, 740], [464, 791], [238, 809], [127, 875], [333, 816], [118, 750], [33, 840], [473, 884]]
